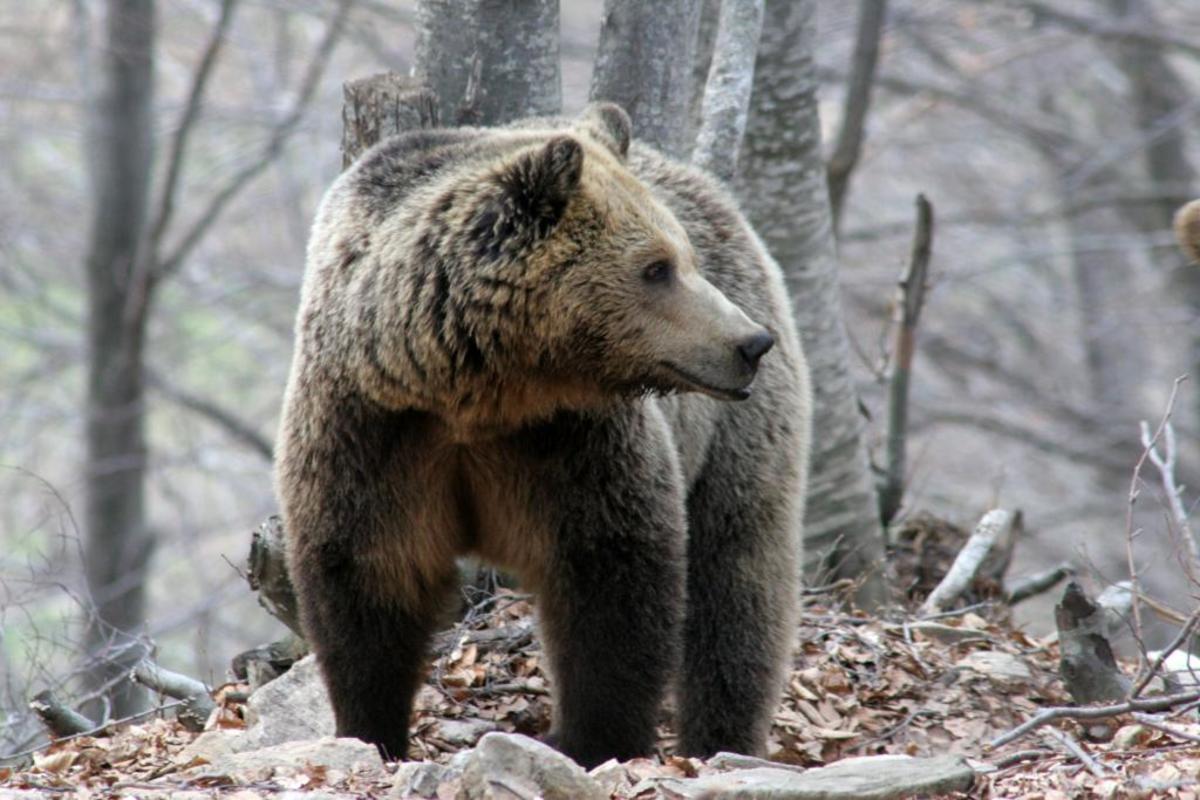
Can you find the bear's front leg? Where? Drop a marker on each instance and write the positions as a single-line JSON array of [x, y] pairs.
[[372, 567], [611, 596]]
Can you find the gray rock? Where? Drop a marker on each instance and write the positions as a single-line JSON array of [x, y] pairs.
[[731, 761], [420, 779], [507, 764], [344, 755], [1001, 668], [867, 778], [462, 732], [293, 707]]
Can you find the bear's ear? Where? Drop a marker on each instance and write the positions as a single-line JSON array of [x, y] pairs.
[[609, 125], [538, 184]]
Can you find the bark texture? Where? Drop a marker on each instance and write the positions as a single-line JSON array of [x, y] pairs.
[[644, 63], [782, 186], [118, 544], [727, 90], [490, 61]]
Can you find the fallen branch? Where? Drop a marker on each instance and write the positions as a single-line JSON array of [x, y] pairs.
[[913, 284], [197, 699], [1157, 724], [1038, 583], [59, 719], [1073, 747], [1046, 716], [988, 549]]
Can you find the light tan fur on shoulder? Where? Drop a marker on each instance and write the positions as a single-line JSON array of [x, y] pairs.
[[1187, 229]]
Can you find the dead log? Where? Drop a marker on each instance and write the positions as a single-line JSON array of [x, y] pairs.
[[59, 719], [986, 554], [267, 573]]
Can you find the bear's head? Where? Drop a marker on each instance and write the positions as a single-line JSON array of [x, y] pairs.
[[560, 280]]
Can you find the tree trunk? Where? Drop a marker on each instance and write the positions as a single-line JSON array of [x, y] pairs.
[[784, 192], [644, 63], [727, 89], [118, 543], [490, 61]]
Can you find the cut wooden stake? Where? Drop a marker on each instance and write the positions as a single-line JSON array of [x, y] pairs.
[[1086, 662]]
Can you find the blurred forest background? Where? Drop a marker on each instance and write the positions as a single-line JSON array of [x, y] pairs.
[[1055, 140]]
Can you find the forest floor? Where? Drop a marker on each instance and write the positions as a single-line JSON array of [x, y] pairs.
[[860, 686]]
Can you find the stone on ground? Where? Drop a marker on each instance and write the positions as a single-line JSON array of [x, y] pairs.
[[504, 765]]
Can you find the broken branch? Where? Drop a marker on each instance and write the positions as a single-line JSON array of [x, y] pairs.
[[991, 541], [59, 719], [1049, 715]]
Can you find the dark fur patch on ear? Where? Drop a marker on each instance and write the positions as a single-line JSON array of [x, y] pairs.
[[534, 192], [610, 125]]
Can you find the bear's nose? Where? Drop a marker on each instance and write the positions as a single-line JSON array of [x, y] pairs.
[[756, 347]]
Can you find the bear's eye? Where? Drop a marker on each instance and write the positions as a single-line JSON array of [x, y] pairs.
[[658, 272]]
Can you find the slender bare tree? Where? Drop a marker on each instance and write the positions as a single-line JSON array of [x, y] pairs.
[[121, 160], [129, 257], [644, 64], [783, 189]]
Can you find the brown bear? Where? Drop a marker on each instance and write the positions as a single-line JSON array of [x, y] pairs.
[[520, 344]]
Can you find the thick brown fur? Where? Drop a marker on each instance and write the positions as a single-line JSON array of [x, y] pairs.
[[487, 363]]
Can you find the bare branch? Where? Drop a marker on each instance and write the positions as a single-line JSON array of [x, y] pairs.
[[849, 140], [727, 91], [1073, 747], [1165, 463], [187, 122], [1148, 674], [1037, 583], [1123, 32], [238, 428], [1094, 712], [275, 142]]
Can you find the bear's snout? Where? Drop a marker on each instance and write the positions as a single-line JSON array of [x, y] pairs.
[[755, 347]]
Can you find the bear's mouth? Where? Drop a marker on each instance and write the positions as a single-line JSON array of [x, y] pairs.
[[692, 382]]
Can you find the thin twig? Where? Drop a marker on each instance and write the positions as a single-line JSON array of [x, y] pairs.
[[1037, 583], [1165, 462], [1073, 747], [1130, 533], [1175, 644], [1049, 715], [1159, 725]]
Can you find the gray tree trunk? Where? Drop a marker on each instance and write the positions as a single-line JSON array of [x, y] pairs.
[[644, 63], [783, 190], [727, 90], [118, 544], [490, 61]]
